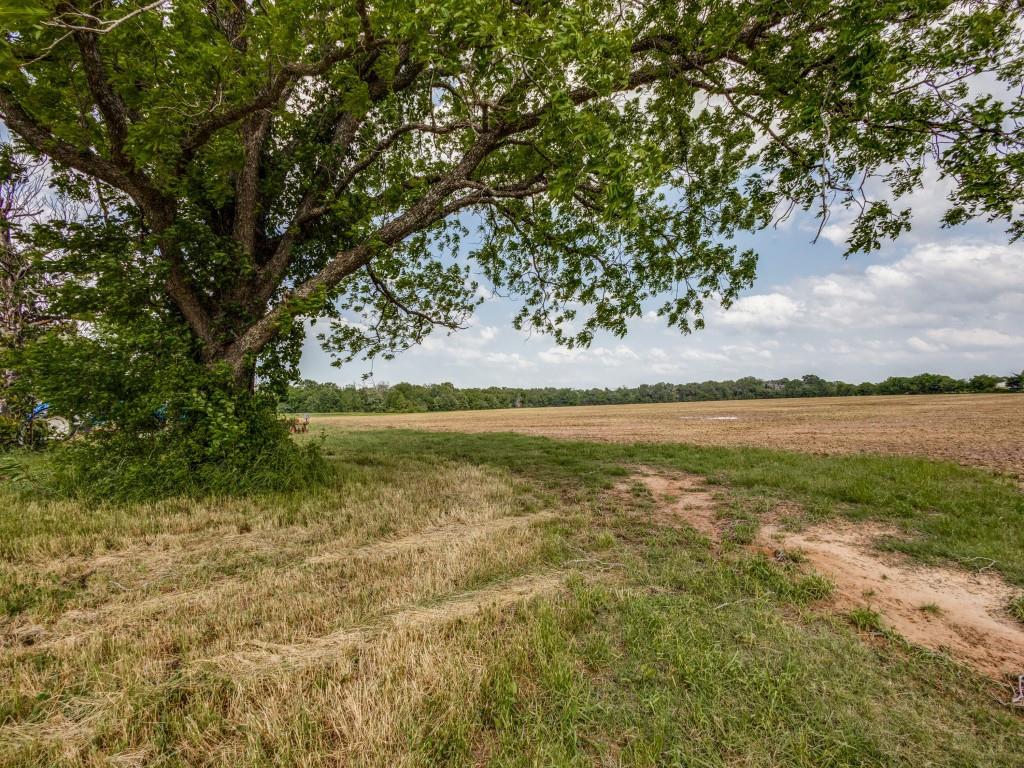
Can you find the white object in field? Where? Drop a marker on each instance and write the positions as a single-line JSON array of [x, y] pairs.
[[57, 426], [710, 418]]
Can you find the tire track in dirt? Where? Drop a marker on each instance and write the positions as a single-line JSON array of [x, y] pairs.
[[960, 613], [259, 657], [123, 614], [273, 656]]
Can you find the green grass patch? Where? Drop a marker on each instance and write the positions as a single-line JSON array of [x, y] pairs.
[[866, 619], [698, 664], [1017, 608], [946, 513]]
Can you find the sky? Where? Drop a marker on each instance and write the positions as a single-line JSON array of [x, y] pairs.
[[938, 300]]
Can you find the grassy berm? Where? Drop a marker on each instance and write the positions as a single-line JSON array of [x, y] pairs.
[[505, 600]]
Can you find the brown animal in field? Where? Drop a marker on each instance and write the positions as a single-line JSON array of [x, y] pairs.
[[298, 426]]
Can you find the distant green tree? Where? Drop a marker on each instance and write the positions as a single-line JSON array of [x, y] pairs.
[[983, 383], [815, 386], [446, 397]]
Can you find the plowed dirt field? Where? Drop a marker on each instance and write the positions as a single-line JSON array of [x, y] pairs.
[[977, 430]]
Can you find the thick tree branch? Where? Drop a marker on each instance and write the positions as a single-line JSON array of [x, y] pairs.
[[99, 25], [419, 215], [231, 23], [84, 160], [109, 103], [157, 208], [247, 203], [346, 157], [427, 210], [270, 274], [191, 308]]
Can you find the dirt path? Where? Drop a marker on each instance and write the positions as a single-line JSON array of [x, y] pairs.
[[957, 612], [682, 497]]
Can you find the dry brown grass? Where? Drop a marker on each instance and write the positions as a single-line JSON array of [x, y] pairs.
[[977, 430], [180, 597], [422, 611]]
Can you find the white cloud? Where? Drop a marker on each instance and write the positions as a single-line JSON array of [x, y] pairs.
[[974, 337], [474, 337], [508, 360], [837, 233], [932, 286], [767, 310], [474, 346], [918, 344], [650, 316], [611, 357], [746, 351]]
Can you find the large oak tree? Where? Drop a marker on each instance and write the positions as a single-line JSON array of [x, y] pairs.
[[259, 162]]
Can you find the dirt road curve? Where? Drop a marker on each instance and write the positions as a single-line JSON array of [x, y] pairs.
[[979, 430]]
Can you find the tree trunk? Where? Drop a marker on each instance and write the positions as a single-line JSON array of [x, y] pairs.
[[242, 367]]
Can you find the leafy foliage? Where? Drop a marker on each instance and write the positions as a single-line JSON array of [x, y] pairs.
[[242, 448], [160, 423], [295, 159]]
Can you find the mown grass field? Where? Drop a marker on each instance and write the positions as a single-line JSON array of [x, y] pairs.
[[492, 599]]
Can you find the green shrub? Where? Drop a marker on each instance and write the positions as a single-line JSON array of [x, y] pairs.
[[206, 453], [162, 422], [9, 428]]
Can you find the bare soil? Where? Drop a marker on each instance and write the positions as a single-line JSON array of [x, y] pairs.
[[975, 430], [958, 612], [682, 498], [962, 614]]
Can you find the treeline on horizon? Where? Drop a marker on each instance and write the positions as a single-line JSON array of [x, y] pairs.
[[315, 397]]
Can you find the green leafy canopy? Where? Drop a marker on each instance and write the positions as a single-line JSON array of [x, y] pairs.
[[255, 163]]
